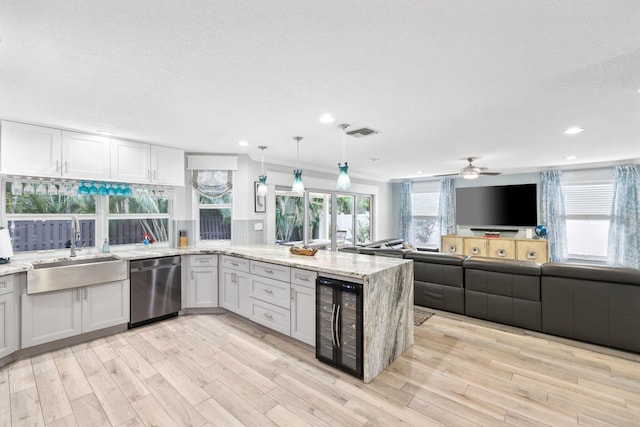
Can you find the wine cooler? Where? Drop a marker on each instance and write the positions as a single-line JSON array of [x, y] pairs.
[[339, 324]]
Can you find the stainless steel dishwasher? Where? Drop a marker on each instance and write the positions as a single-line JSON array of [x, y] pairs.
[[155, 289]]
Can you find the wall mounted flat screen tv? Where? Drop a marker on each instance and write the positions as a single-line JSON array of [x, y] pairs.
[[511, 205]]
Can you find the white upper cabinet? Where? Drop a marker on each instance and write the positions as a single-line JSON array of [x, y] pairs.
[[85, 156], [30, 150], [145, 163], [167, 166], [130, 161], [41, 151]]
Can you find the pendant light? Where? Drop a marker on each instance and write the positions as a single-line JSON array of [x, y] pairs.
[[262, 186], [298, 186], [344, 183]]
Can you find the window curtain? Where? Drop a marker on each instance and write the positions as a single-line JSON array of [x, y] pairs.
[[624, 228], [553, 215], [212, 183], [404, 230], [447, 207]]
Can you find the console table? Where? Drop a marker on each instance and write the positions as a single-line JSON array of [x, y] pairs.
[[521, 249]]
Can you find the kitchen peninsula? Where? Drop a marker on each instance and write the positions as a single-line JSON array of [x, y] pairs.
[[387, 288]]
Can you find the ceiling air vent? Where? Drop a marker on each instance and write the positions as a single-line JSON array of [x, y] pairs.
[[359, 133]]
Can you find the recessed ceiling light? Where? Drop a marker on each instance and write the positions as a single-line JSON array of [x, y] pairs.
[[105, 132], [374, 159], [571, 157], [243, 143], [573, 131], [327, 118], [419, 172]]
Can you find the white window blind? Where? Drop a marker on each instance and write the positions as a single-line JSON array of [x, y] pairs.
[[425, 204], [588, 199]]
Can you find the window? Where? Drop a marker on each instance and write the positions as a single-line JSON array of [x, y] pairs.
[[587, 209], [425, 227], [145, 212], [39, 215], [213, 189]]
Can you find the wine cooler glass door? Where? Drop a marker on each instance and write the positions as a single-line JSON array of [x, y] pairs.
[[325, 335], [348, 320]]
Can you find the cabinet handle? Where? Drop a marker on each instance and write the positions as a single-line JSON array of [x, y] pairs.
[[268, 316], [337, 328], [235, 264], [234, 277], [268, 271], [333, 325], [293, 295], [86, 293], [57, 165], [66, 167], [268, 291], [192, 277], [303, 278], [155, 174], [78, 294]]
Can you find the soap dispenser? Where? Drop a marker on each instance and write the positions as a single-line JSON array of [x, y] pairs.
[[105, 247]]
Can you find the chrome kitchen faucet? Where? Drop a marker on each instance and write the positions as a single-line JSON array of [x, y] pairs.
[[75, 234]]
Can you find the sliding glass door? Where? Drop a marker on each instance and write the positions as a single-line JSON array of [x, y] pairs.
[[351, 214]]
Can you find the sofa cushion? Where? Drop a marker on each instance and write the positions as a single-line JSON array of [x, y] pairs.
[[436, 258], [602, 273], [524, 268]]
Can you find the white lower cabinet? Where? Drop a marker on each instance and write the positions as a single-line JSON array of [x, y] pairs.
[[7, 331], [271, 316], [234, 285], [105, 305], [278, 297], [303, 314], [51, 316], [303, 305], [203, 281]]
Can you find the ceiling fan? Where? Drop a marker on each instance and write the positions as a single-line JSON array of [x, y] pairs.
[[471, 172]]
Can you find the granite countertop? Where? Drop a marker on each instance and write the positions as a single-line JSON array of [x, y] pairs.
[[346, 264]]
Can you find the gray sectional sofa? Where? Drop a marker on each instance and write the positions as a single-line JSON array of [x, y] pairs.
[[590, 303]]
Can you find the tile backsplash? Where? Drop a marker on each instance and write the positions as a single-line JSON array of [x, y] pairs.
[[243, 232]]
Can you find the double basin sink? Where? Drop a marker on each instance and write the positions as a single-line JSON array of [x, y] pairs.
[[75, 273]]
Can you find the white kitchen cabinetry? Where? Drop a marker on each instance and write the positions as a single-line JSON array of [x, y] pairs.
[[46, 152], [130, 161], [51, 316], [202, 291], [303, 305], [146, 164], [235, 282], [271, 296], [85, 156], [7, 320], [105, 305], [167, 166]]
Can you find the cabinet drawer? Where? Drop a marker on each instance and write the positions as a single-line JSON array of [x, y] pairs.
[[273, 271], [304, 278], [271, 316], [477, 247], [6, 284], [501, 248], [204, 260], [451, 245], [272, 291], [235, 263], [532, 250]]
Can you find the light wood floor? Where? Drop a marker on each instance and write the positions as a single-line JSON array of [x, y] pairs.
[[222, 370]]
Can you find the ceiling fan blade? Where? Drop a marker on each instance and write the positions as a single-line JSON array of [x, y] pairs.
[[446, 174], [490, 173]]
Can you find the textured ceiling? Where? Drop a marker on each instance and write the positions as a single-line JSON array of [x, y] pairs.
[[441, 80]]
